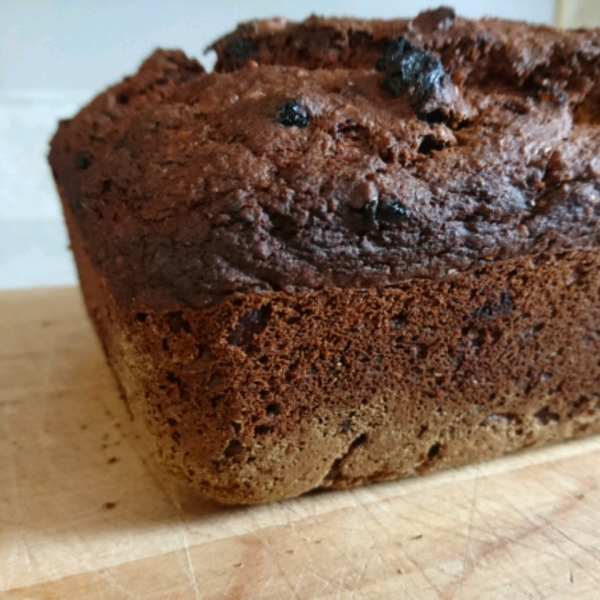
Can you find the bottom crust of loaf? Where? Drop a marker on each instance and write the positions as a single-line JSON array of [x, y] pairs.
[[266, 396]]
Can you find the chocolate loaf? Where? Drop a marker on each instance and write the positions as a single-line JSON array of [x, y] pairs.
[[357, 251]]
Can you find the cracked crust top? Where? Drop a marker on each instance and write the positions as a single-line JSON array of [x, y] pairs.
[[189, 187]]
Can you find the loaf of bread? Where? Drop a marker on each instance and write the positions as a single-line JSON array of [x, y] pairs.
[[357, 251]]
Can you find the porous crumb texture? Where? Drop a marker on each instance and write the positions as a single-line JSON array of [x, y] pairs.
[[366, 251]]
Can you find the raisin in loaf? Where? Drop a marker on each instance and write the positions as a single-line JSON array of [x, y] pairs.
[[358, 251]]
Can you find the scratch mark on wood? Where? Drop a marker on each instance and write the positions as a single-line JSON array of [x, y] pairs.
[[190, 569], [428, 579], [275, 555], [469, 559], [106, 575], [264, 587], [371, 509], [587, 551], [298, 581]]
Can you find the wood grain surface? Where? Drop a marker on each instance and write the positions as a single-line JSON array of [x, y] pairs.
[[85, 514]]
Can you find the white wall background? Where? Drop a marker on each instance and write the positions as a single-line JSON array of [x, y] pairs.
[[578, 13], [55, 55]]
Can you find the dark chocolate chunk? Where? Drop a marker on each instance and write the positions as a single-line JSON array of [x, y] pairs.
[[410, 71], [386, 212], [391, 212], [83, 160], [291, 114]]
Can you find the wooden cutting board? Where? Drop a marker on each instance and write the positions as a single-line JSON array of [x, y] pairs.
[[84, 514]]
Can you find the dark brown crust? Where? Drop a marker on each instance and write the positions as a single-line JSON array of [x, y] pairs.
[[271, 331], [510, 49], [191, 190]]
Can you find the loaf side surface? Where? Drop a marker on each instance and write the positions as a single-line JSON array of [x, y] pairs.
[[360, 250]]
